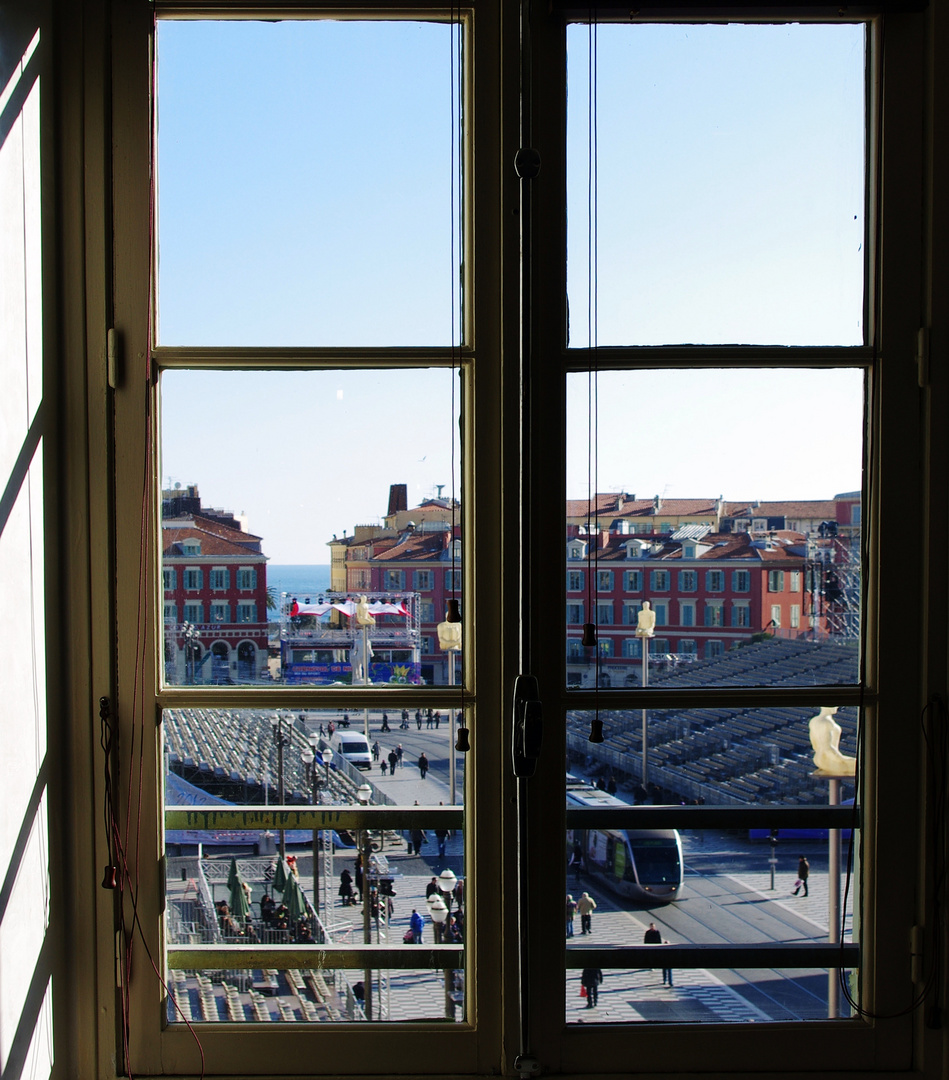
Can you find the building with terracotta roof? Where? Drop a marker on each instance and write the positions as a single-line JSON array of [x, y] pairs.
[[214, 576]]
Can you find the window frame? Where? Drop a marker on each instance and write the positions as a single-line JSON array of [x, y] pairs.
[[845, 1050]]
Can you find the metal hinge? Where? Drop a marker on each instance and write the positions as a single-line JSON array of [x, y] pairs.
[[528, 725]]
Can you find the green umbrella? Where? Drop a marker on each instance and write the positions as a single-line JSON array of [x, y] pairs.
[[239, 905], [281, 876], [295, 900]]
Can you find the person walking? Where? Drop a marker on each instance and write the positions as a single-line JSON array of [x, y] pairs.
[[384, 766], [652, 935], [441, 835], [666, 972], [418, 719], [418, 838], [423, 765], [416, 925], [803, 872], [576, 861], [375, 750], [571, 912], [590, 980], [431, 888], [405, 720], [586, 905], [399, 752], [393, 761], [385, 723], [346, 887]]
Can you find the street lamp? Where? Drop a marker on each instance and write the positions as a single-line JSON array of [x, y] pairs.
[[191, 635], [326, 757], [438, 910], [364, 795], [280, 727]]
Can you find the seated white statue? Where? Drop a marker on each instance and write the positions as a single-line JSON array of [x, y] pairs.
[[825, 738], [449, 636], [363, 616], [646, 621]]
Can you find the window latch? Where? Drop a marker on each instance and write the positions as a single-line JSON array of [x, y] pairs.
[[527, 163], [528, 725]]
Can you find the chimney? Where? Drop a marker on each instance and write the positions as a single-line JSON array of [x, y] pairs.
[[657, 504], [398, 498], [620, 501]]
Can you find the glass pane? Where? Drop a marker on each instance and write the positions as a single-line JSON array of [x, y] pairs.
[[727, 167], [309, 183], [743, 536], [721, 757], [230, 884], [700, 995], [266, 563]]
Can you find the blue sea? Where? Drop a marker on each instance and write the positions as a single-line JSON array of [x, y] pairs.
[[298, 581]]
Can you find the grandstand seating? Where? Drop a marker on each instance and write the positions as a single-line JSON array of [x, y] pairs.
[[729, 755]]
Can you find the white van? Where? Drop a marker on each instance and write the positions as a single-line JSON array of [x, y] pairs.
[[354, 747]]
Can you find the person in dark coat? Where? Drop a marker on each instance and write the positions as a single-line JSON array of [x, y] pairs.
[[346, 887], [803, 871], [591, 978], [423, 765]]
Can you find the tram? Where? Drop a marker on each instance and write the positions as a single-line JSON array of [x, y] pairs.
[[644, 865]]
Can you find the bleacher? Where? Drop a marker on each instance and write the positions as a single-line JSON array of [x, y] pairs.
[[722, 755]]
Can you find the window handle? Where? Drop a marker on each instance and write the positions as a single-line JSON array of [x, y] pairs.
[[528, 725]]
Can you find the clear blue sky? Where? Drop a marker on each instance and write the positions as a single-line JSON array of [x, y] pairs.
[[305, 198]]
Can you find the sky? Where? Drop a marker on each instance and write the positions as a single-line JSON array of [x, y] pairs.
[[308, 196]]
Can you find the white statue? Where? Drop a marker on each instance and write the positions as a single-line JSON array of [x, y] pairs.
[[646, 621], [449, 636], [359, 658], [362, 613], [825, 738]]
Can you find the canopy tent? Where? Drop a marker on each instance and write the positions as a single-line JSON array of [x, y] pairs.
[[347, 607]]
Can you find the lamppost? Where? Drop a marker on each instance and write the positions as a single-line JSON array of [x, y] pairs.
[[364, 795], [191, 635], [327, 757], [281, 727], [308, 757], [438, 910]]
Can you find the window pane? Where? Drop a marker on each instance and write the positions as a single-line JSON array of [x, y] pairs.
[[729, 184], [749, 561], [309, 181], [285, 521], [723, 756], [241, 761]]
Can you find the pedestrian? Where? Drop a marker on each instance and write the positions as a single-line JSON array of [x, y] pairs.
[[586, 905], [666, 972], [375, 750], [611, 785], [345, 720], [393, 761], [385, 722], [576, 861], [384, 766], [322, 732], [652, 936], [346, 887], [359, 876], [803, 871], [438, 718], [398, 753], [418, 838], [590, 980], [429, 720], [405, 719], [423, 765], [416, 926], [441, 835], [331, 728], [571, 912], [431, 888], [418, 719]]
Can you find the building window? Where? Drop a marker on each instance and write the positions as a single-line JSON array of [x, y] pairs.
[[190, 548], [714, 580], [659, 580], [632, 581], [687, 647], [775, 581], [427, 611], [795, 616], [604, 613], [193, 577], [220, 613], [658, 646], [246, 613], [662, 613], [426, 645], [741, 581], [713, 649], [633, 648], [713, 613], [171, 613], [424, 580], [194, 613], [605, 646], [218, 577], [795, 583], [574, 580], [741, 615], [776, 615], [631, 612], [604, 581], [575, 614], [394, 580], [452, 580], [574, 649], [246, 577], [688, 581], [168, 578], [576, 550], [687, 613]]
